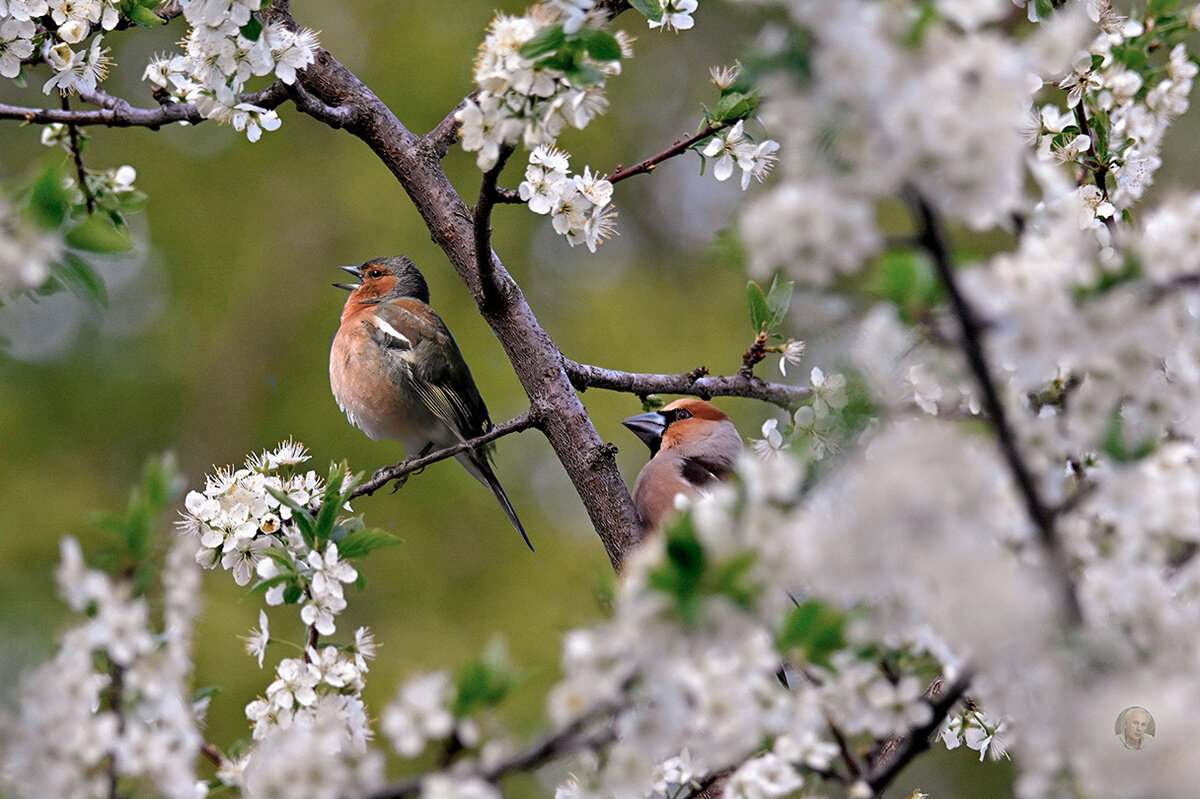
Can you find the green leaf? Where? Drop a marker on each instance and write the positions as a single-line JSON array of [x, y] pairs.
[[292, 594], [131, 202], [483, 683], [650, 9], [1116, 445], [331, 503], [75, 274], [652, 402], [145, 18], [545, 41], [263, 586], [49, 199], [97, 233], [760, 312], [735, 105], [252, 29], [729, 579], [601, 45], [779, 300], [363, 542], [1158, 8], [287, 565], [681, 575], [206, 692], [814, 629], [303, 519], [584, 75]]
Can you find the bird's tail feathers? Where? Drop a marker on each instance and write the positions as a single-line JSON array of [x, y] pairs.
[[482, 471]]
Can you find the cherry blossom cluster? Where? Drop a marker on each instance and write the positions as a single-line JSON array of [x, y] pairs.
[[692, 656], [237, 517], [114, 700], [1126, 102], [580, 206], [56, 28], [225, 47], [1089, 334], [731, 147], [248, 521], [524, 99], [814, 428]]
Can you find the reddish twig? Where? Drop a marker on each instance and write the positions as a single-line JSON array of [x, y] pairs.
[[681, 146]]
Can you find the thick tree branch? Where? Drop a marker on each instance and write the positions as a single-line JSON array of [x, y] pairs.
[[417, 462], [695, 383], [333, 116], [416, 163], [681, 146], [933, 240]]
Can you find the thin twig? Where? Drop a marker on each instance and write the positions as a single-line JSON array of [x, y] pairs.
[[115, 112], [575, 736], [1100, 173], [445, 133], [753, 356], [212, 753], [696, 383], [81, 173], [933, 240], [917, 739], [681, 146], [409, 465], [482, 220], [852, 765]]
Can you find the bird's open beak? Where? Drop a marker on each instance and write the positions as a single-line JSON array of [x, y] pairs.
[[354, 270], [648, 427]]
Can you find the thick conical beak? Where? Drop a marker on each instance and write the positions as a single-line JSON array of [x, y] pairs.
[[354, 270], [649, 428]]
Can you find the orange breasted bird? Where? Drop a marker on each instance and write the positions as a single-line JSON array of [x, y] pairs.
[[398, 373], [692, 445]]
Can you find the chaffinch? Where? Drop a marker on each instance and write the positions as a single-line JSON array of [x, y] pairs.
[[692, 445], [397, 372]]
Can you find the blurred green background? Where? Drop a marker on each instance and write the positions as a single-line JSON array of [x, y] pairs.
[[215, 344]]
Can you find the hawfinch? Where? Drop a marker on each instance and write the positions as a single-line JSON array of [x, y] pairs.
[[692, 445]]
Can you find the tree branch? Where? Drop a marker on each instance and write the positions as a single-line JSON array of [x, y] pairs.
[[120, 115], [917, 739], [333, 116], [77, 153], [933, 240], [575, 736], [415, 463], [695, 383], [536, 359], [445, 133], [681, 146], [482, 213], [115, 112]]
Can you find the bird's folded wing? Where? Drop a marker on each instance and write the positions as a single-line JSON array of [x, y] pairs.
[[426, 360]]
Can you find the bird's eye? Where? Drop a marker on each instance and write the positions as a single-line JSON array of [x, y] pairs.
[[375, 273], [682, 413]]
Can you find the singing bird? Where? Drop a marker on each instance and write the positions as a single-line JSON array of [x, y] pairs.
[[692, 445], [398, 373]]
